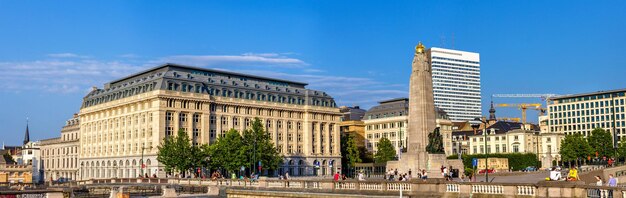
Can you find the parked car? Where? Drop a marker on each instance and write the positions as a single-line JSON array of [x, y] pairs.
[[530, 168], [482, 171]]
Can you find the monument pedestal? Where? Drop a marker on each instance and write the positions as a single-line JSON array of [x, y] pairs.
[[432, 164]]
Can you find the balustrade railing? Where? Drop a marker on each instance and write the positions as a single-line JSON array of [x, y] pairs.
[[345, 185], [371, 186], [526, 190], [487, 189], [599, 193], [531, 190], [453, 188], [399, 186]]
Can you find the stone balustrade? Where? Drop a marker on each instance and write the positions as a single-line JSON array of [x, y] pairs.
[[414, 188]]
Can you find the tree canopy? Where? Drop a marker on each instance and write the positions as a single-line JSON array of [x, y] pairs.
[[386, 151], [350, 152], [227, 152], [601, 142], [259, 147], [573, 147], [177, 154]]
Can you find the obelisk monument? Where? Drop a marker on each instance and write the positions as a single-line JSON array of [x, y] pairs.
[[421, 107], [421, 118]]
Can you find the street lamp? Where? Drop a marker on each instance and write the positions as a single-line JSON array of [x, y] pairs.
[[82, 170], [477, 126], [142, 162]]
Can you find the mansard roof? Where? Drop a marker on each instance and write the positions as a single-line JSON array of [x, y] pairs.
[[173, 65], [208, 81]]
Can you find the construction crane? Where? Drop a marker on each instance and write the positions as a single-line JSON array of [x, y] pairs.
[[509, 119], [524, 107], [544, 97]]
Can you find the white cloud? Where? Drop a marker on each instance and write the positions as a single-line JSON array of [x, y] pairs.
[[77, 75], [66, 55], [60, 76], [247, 59]]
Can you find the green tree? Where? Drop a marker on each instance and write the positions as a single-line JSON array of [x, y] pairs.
[[258, 146], [177, 154], [183, 148], [601, 142], [386, 151], [574, 147], [365, 155], [227, 152], [167, 155], [349, 152]]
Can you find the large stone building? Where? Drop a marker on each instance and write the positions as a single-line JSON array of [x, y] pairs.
[[389, 120], [581, 113], [456, 83], [123, 122], [60, 155]]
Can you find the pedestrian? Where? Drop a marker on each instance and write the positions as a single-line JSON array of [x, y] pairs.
[[598, 180], [336, 177], [424, 175], [612, 181], [360, 176]]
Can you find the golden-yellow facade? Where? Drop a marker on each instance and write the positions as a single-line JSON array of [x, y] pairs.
[[16, 174]]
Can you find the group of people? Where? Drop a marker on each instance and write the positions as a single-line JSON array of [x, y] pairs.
[[612, 181], [338, 176], [394, 175]]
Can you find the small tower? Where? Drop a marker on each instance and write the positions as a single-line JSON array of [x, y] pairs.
[[26, 135], [492, 112]]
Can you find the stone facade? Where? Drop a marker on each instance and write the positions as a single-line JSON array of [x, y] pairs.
[[60, 155], [128, 118]]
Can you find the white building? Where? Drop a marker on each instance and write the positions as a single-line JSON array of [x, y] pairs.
[[456, 83]]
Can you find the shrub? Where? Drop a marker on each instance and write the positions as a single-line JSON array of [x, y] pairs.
[[517, 161]]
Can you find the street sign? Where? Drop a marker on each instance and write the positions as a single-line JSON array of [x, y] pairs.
[[474, 162]]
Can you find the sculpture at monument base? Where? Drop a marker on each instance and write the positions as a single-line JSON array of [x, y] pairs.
[[435, 142]]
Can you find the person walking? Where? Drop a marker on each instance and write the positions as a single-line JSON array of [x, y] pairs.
[[336, 177], [612, 181], [598, 180]]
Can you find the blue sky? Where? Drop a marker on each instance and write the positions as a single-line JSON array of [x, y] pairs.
[[359, 51]]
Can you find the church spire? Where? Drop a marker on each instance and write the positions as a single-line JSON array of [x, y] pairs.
[[26, 135], [492, 112]]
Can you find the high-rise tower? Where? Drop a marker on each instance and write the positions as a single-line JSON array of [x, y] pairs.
[[456, 82]]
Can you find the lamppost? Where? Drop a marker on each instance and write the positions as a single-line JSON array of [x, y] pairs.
[[477, 126], [142, 162], [82, 170]]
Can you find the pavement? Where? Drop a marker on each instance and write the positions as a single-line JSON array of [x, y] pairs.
[[526, 177]]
